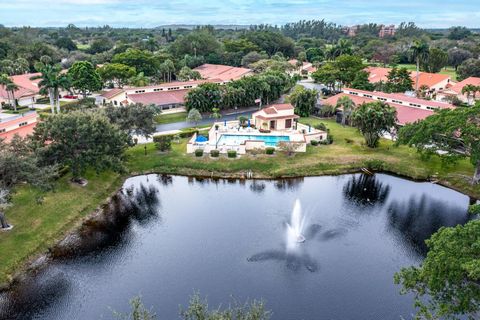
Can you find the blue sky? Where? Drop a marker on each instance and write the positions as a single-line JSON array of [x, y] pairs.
[[149, 13]]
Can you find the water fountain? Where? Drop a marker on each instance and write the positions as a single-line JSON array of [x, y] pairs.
[[296, 226]]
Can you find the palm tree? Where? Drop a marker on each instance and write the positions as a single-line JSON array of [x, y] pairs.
[[420, 52], [11, 88], [51, 82], [347, 105], [468, 90]]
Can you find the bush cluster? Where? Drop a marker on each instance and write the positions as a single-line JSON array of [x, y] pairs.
[[269, 150], [163, 142], [199, 153], [214, 153], [314, 143], [232, 153]]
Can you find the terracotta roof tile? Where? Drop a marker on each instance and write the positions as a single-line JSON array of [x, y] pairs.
[[459, 86], [159, 98], [221, 72]]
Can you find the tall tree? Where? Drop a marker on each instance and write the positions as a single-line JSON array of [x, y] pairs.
[[347, 106], [436, 60], [303, 100], [419, 51], [80, 140], [373, 119], [446, 284], [84, 78], [134, 119], [399, 80], [51, 82], [116, 74], [449, 134], [469, 68]]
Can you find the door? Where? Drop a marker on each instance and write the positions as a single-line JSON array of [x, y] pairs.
[[272, 124], [288, 123]]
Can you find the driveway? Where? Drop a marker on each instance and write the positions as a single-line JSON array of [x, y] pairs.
[[204, 121]]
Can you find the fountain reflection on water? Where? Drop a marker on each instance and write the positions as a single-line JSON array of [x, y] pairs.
[[295, 228]]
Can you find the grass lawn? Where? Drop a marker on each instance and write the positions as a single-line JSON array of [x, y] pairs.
[[447, 70], [170, 118], [38, 226]]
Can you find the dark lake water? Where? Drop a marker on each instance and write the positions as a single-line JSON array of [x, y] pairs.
[[227, 239]]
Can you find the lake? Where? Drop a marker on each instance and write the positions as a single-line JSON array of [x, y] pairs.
[[226, 239]]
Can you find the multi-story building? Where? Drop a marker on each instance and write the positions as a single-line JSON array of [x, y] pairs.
[[387, 31]]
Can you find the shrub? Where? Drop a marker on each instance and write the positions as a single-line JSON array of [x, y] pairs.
[[188, 133], [474, 209], [270, 150], [314, 143], [214, 153], [199, 153], [163, 142], [374, 164], [232, 153], [321, 126], [329, 139]]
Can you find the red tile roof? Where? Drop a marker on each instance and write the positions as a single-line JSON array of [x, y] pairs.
[[221, 72], [459, 86], [21, 131], [378, 74], [405, 98], [25, 81], [159, 98], [111, 93], [404, 114]]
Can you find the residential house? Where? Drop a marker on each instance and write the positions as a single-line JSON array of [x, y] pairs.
[[27, 92], [275, 117], [387, 31], [409, 109], [456, 91], [434, 81], [306, 68], [168, 96], [21, 124], [222, 72]]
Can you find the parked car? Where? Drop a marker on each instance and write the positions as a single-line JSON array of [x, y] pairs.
[[70, 97]]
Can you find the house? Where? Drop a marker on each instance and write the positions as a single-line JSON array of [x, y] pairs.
[[22, 125], [409, 109], [26, 93], [166, 95], [275, 117], [306, 68], [222, 72], [434, 81], [456, 91]]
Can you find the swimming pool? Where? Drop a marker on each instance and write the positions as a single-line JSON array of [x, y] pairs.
[[233, 139]]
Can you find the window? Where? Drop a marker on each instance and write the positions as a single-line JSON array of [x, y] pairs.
[[173, 88], [415, 105], [157, 89], [22, 124], [382, 99], [3, 130], [288, 123], [354, 93], [115, 102], [397, 101], [139, 91], [188, 87], [367, 96]]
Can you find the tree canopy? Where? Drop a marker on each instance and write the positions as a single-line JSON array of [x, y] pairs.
[[373, 119], [80, 140], [449, 134]]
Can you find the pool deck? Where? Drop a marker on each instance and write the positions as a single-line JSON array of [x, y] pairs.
[[301, 136]]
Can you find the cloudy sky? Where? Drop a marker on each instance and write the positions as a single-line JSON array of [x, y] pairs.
[[148, 13]]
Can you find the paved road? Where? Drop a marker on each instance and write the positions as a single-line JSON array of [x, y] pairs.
[[184, 124]]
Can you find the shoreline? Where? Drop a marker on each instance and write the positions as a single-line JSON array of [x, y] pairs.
[[38, 260]]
